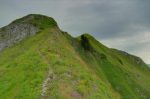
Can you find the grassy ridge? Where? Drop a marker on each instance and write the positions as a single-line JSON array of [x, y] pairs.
[[25, 66], [52, 64], [122, 71]]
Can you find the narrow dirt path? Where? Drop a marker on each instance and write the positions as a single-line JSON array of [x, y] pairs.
[[49, 79], [45, 86]]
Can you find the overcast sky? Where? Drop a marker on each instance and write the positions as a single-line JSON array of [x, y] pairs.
[[121, 24]]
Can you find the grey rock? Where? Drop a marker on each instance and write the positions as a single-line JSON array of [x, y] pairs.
[[14, 33]]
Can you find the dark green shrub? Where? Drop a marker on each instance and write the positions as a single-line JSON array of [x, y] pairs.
[[85, 43], [120, 61]]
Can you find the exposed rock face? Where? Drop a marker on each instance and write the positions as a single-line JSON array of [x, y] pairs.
[[24, 27], [15, 33]]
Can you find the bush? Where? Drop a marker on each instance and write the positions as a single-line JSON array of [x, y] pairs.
[[85, 43]]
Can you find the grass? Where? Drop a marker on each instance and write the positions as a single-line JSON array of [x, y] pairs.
[[24, 67], [98, 73], [125, 76]]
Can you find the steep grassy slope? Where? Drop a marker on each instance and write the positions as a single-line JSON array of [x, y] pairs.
[[54, 65], [26, 66], [127, 74]]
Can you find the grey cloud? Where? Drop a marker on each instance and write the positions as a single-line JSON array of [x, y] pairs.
[[111, 19]]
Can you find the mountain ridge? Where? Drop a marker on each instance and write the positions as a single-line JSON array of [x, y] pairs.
[[53, 64]]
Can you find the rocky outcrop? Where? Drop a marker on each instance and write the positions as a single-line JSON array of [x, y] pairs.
[[14, 33], [24, 27]]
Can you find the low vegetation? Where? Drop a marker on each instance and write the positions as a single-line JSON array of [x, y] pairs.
[[52, 64]]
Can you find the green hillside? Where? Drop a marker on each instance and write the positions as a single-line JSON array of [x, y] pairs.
[[54, 65]]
